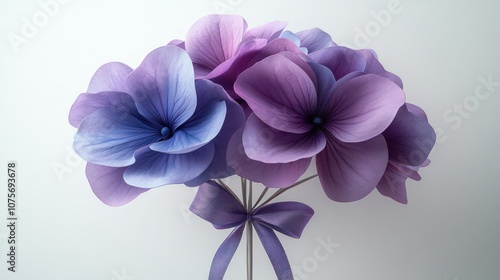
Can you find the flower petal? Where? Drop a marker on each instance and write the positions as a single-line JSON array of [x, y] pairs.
[[269, 145], [279, 92], [393, 184], [290, 50], [154, 169], [363, 107], [203, 125], [315, 39], [340, 60], [177, 43], [110, 137], [87, 103], [272, 175], [226, 73], [219, 168], [326, 87], [417, 111], [163, 86], [289, 35], [373, 66], [268, 31], [108, 185], [350, 171], [410, 138], [110, 77], [214, 39]]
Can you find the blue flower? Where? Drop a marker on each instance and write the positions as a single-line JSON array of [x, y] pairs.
[[153, 126]]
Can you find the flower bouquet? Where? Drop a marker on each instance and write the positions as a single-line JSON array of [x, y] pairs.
[[258, 103]]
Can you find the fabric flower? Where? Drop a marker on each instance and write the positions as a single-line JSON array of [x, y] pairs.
[[308, 113], [410, 139], [154, 126]]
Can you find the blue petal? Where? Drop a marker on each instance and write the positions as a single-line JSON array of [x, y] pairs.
[[203, 126], [163, 87], [110, 137], [88, 103], [153, 169], [219, 168], [291, 36]]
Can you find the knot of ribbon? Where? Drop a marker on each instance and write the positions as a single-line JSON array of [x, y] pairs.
[[216, 205]]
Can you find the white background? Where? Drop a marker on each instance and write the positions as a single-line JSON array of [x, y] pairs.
[[449, 230]]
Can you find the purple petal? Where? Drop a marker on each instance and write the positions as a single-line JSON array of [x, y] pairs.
[[219, 168], [417, 111], [393, 184], [279, 92], [110, 137], [314, 39], [203, 125], [288, 49], [108, 185], [373, 66], [226, 73], [163, 87], [272, 175], [340, 60], [87, 103], [154, 169], [109, 77], [268, 31], [178, 43], [350, 171], [363, 107], [410, 138], [214, 39], [266, 144]]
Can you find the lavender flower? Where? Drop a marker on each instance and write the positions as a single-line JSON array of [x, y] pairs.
[[309, 113]]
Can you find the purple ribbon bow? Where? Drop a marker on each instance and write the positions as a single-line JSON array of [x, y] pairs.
[[216, 205]]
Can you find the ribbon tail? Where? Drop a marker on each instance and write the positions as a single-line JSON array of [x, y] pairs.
[[225, 253], [275, 251]]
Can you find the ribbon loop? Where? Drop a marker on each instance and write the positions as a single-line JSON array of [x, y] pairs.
[[216, 205]]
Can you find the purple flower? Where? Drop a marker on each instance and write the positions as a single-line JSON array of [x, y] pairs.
[[410, 139], [307, 113], [152, 126]]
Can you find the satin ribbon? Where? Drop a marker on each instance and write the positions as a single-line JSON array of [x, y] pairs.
[[216, 205]]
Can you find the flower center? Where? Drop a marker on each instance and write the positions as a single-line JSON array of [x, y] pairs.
[[166, 133], [317, 121]]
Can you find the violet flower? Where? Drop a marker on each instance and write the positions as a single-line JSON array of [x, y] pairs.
[[308, 113], [152, 126]]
